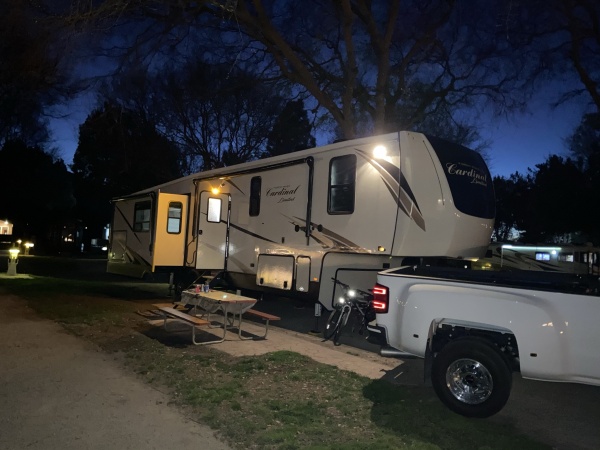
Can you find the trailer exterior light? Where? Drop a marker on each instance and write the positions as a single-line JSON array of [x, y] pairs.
[[380, 151], [215, 191]]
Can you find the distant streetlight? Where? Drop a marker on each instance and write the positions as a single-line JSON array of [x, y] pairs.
[[13, 260], [28, 246]]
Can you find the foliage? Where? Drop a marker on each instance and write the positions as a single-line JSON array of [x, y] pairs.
[[558, 200], [119, 152], [291, 132], [584, 146], [570, 27], [371, 67], [381, 66], [551, 204], [217, 115], [512, 205], [38, 193], [584, 143], [29, 75], [555, 202]]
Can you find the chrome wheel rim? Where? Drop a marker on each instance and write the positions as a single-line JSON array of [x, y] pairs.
[[469, 381]]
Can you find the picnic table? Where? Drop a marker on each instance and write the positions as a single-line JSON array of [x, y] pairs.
[[201, 305], [232, 306]]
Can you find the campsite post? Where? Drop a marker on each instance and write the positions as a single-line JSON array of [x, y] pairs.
[[13, 260]]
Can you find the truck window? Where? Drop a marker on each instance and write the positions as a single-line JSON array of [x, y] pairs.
[[255, 186], [342, 184], [141, 217], [174, 218]]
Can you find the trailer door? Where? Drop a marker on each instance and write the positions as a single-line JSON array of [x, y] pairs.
[[213, 231], [170, 231]]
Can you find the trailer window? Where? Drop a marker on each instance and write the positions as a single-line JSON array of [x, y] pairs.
[[566, 257], [141, 219], [255, 186], [174, 218], [213, 212], [468, 177], [542, 256], [342, 184]]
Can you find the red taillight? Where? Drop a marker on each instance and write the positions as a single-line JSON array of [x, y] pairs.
[[380, 299]]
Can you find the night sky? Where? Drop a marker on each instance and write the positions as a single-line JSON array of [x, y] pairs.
[[518, 142]]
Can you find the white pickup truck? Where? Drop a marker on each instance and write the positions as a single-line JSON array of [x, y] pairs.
[[474, 328]]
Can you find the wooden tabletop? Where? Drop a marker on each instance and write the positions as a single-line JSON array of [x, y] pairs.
[[220, 296]]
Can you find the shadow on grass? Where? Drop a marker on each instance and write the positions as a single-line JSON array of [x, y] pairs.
[[42, 286], [74, 268], [180, 337], [415, 412]]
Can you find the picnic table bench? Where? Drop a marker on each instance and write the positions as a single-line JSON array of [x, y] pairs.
[[264, 316], [168, 312], [228, 304]]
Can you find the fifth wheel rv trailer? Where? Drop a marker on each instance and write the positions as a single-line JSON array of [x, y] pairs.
[[579, 259], [292, 223]]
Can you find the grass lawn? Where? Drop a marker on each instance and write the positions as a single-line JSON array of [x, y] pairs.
[[281, 400]]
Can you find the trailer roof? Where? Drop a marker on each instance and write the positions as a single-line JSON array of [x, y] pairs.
[[213, 173]]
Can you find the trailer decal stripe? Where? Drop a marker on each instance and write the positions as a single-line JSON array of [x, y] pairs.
[[407, 206], [127, 222], [235, 186], [134, 257], [337, 242], [250, 233], [396, 182], [341, 242]]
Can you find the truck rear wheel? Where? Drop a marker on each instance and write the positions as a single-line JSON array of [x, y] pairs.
[[471, 377]]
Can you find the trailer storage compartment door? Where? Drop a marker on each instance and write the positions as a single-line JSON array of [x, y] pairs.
[[170, 232], [276, 271], [302, 273]]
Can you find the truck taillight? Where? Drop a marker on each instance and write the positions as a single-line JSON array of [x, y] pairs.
[[380, 299]]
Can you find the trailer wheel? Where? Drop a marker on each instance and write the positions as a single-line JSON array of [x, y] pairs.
[[471, 377]]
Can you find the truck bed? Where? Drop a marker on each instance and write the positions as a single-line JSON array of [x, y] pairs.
[[535, 280]]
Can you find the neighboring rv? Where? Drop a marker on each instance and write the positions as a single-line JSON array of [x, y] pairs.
[[291, 223], [578, 259]]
